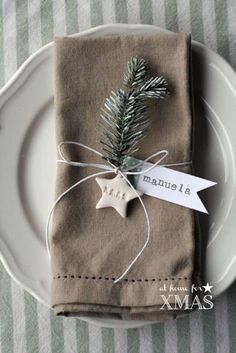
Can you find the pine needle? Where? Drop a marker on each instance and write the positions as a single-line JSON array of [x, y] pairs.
[[124, 116]]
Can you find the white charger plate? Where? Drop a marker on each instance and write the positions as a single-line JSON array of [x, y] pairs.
[[28, 154]]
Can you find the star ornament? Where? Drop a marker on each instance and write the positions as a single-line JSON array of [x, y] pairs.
[[207, 288], [116, 193]]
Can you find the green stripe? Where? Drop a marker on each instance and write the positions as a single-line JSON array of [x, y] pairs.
[[22, 36], [222, 28], [2, 78], [46, 21], [108, 345], [71, 16], [6, 316], [132, 340], [158, 338], [171, 15], [31, 323], [82, 336], [57, 333], [121, 11], [196, 20], [231, 305], [146, 11], [183, 335], [209, 334], [96, 13]]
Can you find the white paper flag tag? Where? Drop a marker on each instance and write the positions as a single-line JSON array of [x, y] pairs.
[[173, 186]]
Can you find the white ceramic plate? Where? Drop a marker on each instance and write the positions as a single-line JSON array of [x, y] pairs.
[[28, 153]]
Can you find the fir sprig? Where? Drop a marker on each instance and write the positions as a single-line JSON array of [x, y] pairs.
[[136, 72], [124, 115]]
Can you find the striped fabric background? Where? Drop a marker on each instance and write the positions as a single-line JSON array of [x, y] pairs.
[[27, 326]]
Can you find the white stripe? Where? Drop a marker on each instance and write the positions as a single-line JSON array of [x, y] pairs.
[[171, 340], [9, 37], [158, 13], [95, 339], [120, 340], [232, 31], [183, 15], [59, 17], [44, 328], [108, 9], [84, 18], [69, 326], [35, 40], [19, 335], [209, 23], [196, 332], [133, 11], [145, 339], [221, 319]]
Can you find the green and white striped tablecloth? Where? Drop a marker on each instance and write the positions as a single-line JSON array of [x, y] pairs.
[[25, 324]]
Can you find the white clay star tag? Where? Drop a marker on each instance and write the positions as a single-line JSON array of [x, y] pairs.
[[116, 193]]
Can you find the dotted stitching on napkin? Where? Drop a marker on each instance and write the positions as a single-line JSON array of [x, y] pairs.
[[124, 280]]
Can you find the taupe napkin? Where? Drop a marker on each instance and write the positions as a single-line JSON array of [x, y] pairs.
[[89, 247]]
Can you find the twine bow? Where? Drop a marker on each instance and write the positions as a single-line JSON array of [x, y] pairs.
[[109, 169]]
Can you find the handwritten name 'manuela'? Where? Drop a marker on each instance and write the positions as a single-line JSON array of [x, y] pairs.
[[167, 185]]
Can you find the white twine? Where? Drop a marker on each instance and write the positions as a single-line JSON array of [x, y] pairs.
[[106, 170]]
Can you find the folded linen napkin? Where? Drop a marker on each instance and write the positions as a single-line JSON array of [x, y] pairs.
[[89, 247]]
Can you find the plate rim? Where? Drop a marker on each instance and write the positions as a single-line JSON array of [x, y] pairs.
[[43, 50]]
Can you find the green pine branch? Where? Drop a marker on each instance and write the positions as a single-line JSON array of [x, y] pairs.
[[124, 116]]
